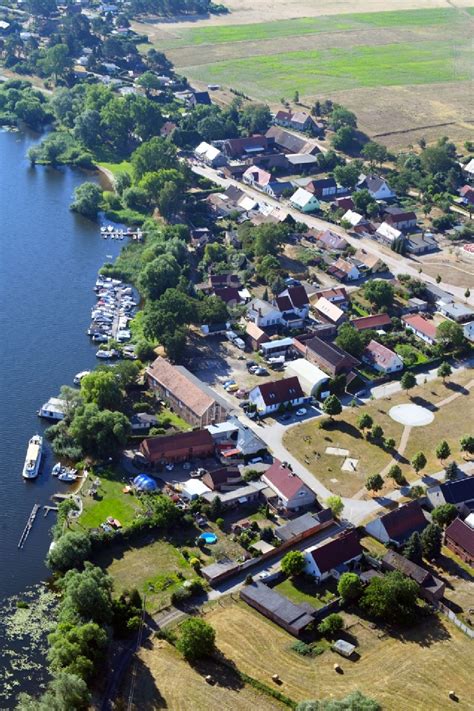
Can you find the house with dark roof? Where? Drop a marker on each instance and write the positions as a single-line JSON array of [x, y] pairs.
[[294, 299], [304, 526], [375, 322], [460, 493], [459, 538], [199, 98], [294, 618], [377, 187], [397, 526], [328, 356], [246, 146], [290, 493], [431, 588], [381, 358], [269, 397], [223, 479], [324, 187], [399, 218], [178, 447], [334, 557], [289, 143]]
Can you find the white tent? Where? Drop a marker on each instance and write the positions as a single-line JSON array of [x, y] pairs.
[[192, 488], [310, 376]]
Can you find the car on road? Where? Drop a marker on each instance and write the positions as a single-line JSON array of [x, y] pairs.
[[302, 411]]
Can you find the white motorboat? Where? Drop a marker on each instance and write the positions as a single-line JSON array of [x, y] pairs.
[[78, 377], [33, 457], [105, 354], [68, 475], [56, 470]]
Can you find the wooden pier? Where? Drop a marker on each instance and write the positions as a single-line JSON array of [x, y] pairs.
[[29, 526], [47, 509]]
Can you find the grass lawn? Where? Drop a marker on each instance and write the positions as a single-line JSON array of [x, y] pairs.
[[165, 681], [373, 546], [395, 670], [308, 443], [224, 34], [302, 590], [276, 75], [117, 168], [110, 501]]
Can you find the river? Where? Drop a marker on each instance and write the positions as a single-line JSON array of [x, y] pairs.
[[49, 258]]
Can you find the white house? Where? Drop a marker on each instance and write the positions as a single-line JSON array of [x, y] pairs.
[[291, 491], [460, 493], [350, 271], [468, 330], [421, 327], [269, 397], [304, 200], [335, 557], [388, 234], [397, 526], [377, 187], [209, 154], [263, 314], [381, 358], [468, 169]]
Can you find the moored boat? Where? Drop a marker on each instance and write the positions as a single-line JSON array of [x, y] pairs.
[[33, 457], [78, 377]]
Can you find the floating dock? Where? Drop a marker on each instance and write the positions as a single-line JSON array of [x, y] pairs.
[[29, 526]]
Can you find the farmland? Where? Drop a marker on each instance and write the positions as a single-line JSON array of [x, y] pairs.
[[423, 55], [396, 670]]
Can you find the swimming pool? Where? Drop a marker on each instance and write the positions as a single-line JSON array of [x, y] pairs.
[[208, 537]]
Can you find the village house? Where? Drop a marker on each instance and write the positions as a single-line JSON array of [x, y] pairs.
[[178, 447], [467, 195], [459, 538], [289, 142], [335, 557], [431, 588], [298, 120], [421, 327], [329, 311], [324, 188], [468, 169], [256, 177], [420, 244], [344, 270], [270, 397], [376, 322], [245, 147], [304, 200], [398, 525], [468, 331], [188, 396], [328, 356], [223, 479], [459, 493], [255, 336], [368, 263], [386, 234], [210, 155], [381, 358], [357, 222], [290, 493], [336, 295], [295, 299], [455, 311], [235, 440], [377, 187], [331, 241], [263, 314], [399, 218], [292, 617]]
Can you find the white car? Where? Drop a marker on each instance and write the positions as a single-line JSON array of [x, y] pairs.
[[302, 411], [170, 467]]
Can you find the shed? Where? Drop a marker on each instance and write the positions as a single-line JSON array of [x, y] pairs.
[[192, 488], [345, 648]]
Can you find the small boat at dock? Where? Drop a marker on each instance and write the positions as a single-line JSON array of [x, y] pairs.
[[56, 470], [68, 475], [78, 377]]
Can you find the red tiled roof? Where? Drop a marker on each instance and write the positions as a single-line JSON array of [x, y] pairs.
[[462, 535], [379, 354], [281, 391], [338, 551], [375, 321], [181, 440], [404, 520], [338, 292], [284, 480], [418, 323]]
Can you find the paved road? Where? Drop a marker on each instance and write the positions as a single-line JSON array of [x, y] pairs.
[[396, 263]]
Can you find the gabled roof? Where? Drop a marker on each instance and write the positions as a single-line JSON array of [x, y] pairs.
[[456, 492], [256, 332], [181, 440], [320, 183], [329, 310], [373, 183], [338, 551], [398, 214], [290, 142], [258, 175], [302, 197], [329, 352], [283, 480], [462, 535], [331, 240], [380, 355], [407, 567], [264, 307], [280, 391], [388, 232], [344, 266], [337, 293], [368, 322], [227, 293], [402, 522], [297, 296], [237, 146], [369, 260], [354, 218], [284, 303], [421, 324]]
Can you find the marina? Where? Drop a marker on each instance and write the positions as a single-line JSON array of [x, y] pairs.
[[113, 232], [116, 306]]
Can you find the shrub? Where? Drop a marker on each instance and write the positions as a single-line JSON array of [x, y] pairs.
[[332, 624]]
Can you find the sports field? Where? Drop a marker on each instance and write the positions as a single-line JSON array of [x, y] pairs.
[[416, 63]]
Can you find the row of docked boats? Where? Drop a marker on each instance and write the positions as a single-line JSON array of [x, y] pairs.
[[111, 232], [34, 454], [116, 306], [67, 474]]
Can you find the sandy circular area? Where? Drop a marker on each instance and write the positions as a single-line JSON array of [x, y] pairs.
[[411, 415]]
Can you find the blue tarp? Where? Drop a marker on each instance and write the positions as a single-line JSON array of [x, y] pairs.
[[143, 482]]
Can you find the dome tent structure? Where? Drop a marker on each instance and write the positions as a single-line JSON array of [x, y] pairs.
[[143, 482]]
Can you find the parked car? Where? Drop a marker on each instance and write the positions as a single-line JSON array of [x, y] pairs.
[[302, 411], [241, 393], [256, 460], [260, 371], [251, 364], [232, 388], [229, 382]]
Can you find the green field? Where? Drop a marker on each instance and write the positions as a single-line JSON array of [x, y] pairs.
[[313, 25], [310, 72]]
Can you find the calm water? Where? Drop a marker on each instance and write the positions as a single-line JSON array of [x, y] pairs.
[[49, 259]]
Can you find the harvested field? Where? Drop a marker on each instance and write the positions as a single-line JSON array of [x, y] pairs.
[[350, 57], [396, 670], [165, 681]]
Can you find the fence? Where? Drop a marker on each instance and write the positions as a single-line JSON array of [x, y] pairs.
[[454, 618]]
